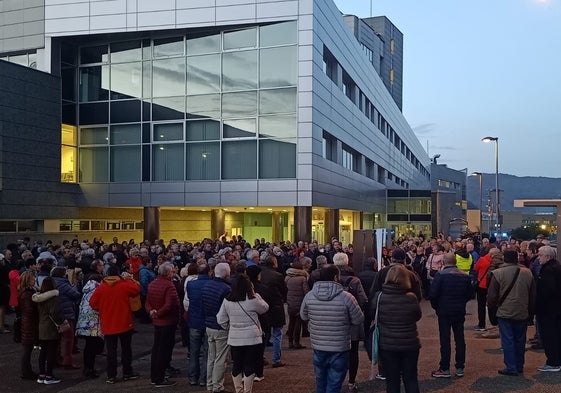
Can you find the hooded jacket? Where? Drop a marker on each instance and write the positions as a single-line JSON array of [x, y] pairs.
[[297, 286], [463, 260], [331, 312], [111, 300], [88, 319]]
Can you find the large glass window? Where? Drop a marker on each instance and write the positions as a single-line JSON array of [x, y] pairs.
[[168, 132], [239, 104], [93, 136], [126, 134], [94, 83], [126, 81], [277, 101], [239, 128], [167, 162], [207, 105], [68, 153], [203, 74], [126, 51], [170, 108], [239, 160], [203, 130], [278, 34], [238, 39], [278, 67], [203, 161], [239, 70], [197, 45], [277, 158], [168, 77], [94, 165], [277, 126], [125, 163], [168, 47], [94, 54]]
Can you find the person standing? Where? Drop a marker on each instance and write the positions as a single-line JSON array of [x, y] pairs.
[[511, 293], [548, 312], [162, 305], [239, 314], [29, 322], [330, 312], [297, 284], [482, 268], [398, 313], [112, 300], [449, 293], [214, 292]]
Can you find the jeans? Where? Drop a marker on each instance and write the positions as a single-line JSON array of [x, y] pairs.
[[216, 362], [398, 365], [481, 306], [197, 364], [550, 333], [330, 369], [457, 326], [513, 341], [162, 348], [126, 353], [277, 340]]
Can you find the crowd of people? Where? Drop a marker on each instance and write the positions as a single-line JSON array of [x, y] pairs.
[[228, 296]]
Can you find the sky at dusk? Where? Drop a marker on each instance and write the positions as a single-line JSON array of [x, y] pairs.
[[480, 68]]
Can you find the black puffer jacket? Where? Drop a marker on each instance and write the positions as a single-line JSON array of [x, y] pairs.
[[450, 290], [398, 315]]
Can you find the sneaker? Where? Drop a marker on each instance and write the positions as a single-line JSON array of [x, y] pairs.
[[459, 372], [164, 383], [131, 377], [352, 388], [479, 329], [172, 371], [548, 368], [381, 377], [258, 379], [41, 379], [50, 380], [441, 373], [110, 381]]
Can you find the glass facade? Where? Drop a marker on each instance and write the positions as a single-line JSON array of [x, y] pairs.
[[210, 105]]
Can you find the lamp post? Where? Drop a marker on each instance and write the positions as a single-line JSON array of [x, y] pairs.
[[495, 139], [480, 175]]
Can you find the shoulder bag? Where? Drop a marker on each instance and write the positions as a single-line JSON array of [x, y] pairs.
[[61, 327], [376, 335], [493, 310]]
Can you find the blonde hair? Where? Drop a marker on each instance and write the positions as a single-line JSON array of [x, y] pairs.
[[398, 275], [26, 280]]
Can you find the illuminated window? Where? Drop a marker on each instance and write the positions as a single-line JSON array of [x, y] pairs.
[[392, 46], [391, 76], [68, 151]]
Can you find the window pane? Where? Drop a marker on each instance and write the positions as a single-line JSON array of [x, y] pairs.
[[93, 136], [203, 161], [125, 163], [93, 164], [68, 77], [278, 67], [97, 113], [171, 108], [239, 70], [167, 162], [277, 158], [203, 130], [126, 81], [168, 132], [94, 83], [168, 47], [125, 51], [239, 104], [94, 54], [126, 134], [125, 111], [203, 106], [203, 74], [146, 79], [233, 166], [277, 101], [246, 38], [278, 34], [277, 126], [168, 77], [242, 128], [203, 44]]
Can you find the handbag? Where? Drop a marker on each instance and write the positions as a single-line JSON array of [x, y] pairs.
[[493, 310], [62, 327], [376, 335]]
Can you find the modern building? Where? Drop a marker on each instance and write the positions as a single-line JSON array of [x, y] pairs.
[[193, 118], [449, 199]]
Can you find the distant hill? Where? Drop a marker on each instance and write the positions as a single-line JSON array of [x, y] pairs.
[[514, 187]]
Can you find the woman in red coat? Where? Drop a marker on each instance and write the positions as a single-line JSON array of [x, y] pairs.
[[29, 322]]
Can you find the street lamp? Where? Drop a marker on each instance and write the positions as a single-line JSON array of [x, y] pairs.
[[495, 139], [480, 175]]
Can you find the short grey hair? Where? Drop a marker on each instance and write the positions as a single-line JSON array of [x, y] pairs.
[[165, 268], [340, 259], [222, 270], [548, 251], [252, 254], [321, 261]]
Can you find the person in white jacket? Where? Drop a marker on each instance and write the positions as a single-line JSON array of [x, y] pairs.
[[239, 314]]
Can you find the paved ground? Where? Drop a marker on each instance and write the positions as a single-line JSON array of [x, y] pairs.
[[484, 358]]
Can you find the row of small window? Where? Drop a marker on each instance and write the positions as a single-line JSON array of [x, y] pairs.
[[202, 42], [247, 159], [226, 105], [352, 160], [449, 184], [353, 92], [206, 74], [190, 131], [25, 59], [99, 225]]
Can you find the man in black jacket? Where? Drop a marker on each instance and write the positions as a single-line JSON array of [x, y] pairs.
[[449, 293]]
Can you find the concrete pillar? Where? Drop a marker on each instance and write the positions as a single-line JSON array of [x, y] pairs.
[[217, 226], [303, 223], [151, 223], [276, 228], [331, 224]]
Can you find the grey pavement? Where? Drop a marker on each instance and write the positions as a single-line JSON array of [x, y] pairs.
[[484, 358]]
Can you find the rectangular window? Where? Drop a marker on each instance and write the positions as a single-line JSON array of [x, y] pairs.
[[330, 65], [94, 166], [125, 163], [239, 160], [167, 162], [203, 161], [277, 159], [348, 158], [329, 147], [349, 87]]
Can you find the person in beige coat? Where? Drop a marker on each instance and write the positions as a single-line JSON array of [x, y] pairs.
[[239, 314]]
